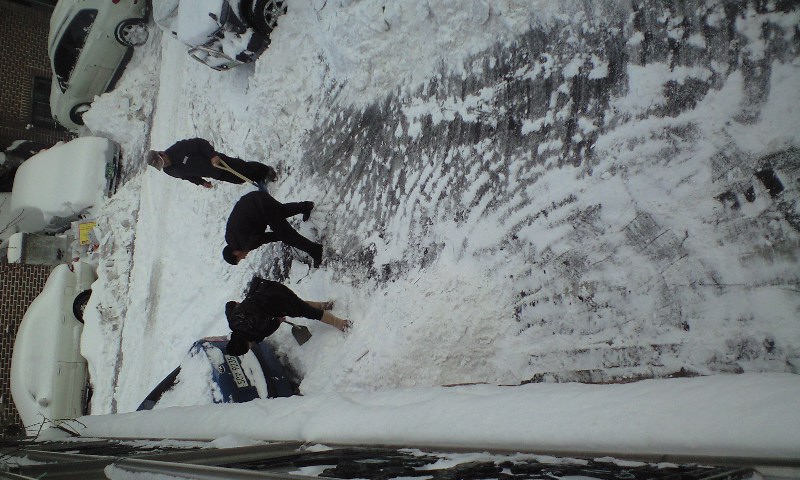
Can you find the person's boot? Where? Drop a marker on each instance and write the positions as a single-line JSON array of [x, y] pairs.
[[307, 207], [322, 305], [316, 254], [334, 321], [271, 175]]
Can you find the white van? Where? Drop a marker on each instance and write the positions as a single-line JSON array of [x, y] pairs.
[[59, 185]]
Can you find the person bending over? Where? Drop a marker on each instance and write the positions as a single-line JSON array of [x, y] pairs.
[[253, 214], [262, 311], [195, 160]]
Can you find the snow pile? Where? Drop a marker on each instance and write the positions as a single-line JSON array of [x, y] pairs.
[[722, 415]]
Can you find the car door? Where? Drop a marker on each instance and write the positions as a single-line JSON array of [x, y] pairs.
[[70, 374], [101, 55]]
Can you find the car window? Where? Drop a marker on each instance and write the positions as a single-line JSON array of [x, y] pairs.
[[70, 45]]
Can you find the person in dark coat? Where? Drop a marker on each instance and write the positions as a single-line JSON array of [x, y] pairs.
[[195, 160], [262, 311], [249, 219]]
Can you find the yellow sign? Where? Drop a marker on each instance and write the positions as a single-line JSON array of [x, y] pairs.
[[83, 232]]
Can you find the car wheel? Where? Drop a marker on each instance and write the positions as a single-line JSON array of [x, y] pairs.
[[264, 14], [132, 32], [79, 305], [76, 114]]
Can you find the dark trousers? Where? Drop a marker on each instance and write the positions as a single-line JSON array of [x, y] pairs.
[[285, 302], [283, 231], [255, 171]]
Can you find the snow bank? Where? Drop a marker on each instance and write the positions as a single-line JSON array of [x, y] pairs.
[[733, 415]]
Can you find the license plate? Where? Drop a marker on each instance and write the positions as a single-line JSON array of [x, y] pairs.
[[237, 372], [111, 169]]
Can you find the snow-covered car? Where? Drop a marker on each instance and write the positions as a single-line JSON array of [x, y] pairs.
[[89, 44], [221, 33], [49, 377], [208, 375], [58, 185]]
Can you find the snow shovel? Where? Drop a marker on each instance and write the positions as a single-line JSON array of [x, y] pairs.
[[227, 168], [299, 332]]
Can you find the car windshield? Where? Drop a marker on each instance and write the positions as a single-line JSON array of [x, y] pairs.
[[69, 48]]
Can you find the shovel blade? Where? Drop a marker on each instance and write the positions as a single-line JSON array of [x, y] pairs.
[[301, 334]]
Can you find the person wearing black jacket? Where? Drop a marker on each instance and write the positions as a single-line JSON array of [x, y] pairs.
[[262, 311], [249, 219], [195, 158]]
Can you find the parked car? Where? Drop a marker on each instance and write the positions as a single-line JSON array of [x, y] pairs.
[[57, 186], [49, 377], [257, 374], [89, 44], [221, 33]]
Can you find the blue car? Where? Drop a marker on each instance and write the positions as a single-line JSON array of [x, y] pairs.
[[258, 374]]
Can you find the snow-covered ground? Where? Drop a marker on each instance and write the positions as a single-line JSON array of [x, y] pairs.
[[508, 192]]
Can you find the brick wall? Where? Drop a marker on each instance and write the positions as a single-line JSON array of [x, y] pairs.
[[23, 56], [19, 285]]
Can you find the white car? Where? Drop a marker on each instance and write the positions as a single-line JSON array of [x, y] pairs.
[[89, 45], [58, 185], [49, 377]]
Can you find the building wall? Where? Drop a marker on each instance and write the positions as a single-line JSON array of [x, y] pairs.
[[19, 285], [23, 56]]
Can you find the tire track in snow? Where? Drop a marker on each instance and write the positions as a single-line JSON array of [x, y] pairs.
[[540, 165]]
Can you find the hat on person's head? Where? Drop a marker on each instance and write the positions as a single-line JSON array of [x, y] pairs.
[[154, 159], [227, 254], [238, 345]]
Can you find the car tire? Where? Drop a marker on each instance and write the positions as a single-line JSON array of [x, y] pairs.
[[264, 14], [132, 32], [79, 305], [76, 114]]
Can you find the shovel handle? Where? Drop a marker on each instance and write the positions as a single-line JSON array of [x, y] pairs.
[[227, 168]]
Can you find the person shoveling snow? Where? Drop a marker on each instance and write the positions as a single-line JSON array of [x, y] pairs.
[[260, 314], [195, 160], [249, 219]]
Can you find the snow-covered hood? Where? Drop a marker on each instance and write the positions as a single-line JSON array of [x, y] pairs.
[[192, 23]]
